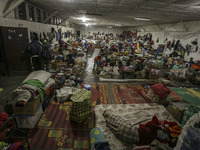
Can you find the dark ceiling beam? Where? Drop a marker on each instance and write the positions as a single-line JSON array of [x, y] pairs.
[[10, 6], [49, 17]]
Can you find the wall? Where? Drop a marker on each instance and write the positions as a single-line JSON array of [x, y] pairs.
[[90, 30], [185, 32], [10, 21]]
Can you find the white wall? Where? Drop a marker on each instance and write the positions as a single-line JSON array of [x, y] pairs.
[[10, 21], [85, 30], [175, 31]]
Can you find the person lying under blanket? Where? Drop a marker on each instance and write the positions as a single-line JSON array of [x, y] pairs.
[[145, 134]]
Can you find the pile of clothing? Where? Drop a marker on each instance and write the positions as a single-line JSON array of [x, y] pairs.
[[158, 93], [36, 84]]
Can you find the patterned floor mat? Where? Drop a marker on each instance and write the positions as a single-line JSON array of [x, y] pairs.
[[56, 131], [127, 94], [192, 96]]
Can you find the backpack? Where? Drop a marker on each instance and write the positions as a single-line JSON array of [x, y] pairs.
[[45, 53], [34, 48]]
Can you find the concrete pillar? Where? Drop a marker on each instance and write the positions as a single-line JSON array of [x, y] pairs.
[[35, 13], [41, 15], [27, 11]]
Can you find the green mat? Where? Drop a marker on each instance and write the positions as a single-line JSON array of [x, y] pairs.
[[192, 96]]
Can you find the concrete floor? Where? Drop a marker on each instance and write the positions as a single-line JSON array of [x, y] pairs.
[[8, 84], [87, 75]]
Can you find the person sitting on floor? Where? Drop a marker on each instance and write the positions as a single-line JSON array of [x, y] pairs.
[[103, 61], [128, 63], [191, 61], [139, 66], [70, 60]]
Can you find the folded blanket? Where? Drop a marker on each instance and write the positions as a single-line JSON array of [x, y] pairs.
[[39, 85], [19, 95], [41, 75]]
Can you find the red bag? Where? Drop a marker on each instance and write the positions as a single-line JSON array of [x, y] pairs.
[[161, 90]]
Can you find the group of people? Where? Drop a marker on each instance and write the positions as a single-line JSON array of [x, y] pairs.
[[40, 53]]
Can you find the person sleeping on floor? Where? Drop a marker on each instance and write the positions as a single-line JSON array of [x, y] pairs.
[[164, 131]]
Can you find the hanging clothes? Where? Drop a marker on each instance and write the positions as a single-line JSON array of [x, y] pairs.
[[65, 34], [157, 40], [195, 42], [197, 48], [173, 43], [57, 36], [168, 44], [176, 45], [150, 39]]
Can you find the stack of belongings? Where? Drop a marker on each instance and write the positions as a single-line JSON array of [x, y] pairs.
[[65, 93], [196, 79], [140, 74], [76, 70], [153, 71], [173, 75], [81, 105], [106, 72], [81, 58], [128, 72], [115, 73], [158, 93], [80, 52], [29, 100]]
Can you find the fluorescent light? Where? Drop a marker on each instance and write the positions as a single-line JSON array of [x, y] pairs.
[[84, 19], [142, 18], [110, 27], [119, 25], [90, 24], [195, 6]]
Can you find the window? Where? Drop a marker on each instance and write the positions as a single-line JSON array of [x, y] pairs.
[[49, 21], [54, 20], [38, 15], [31, 13], [58, 20], [44, 16], [35, 14], [22, 11]]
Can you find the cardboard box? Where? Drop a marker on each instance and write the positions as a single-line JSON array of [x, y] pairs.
[[29, 109], [29, 121]]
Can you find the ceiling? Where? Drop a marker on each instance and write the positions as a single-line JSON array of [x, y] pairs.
[[123, 12]]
